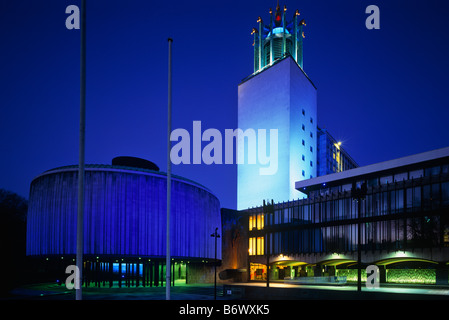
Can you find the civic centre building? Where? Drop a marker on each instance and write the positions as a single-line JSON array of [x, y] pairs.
[[320, 211], [321, 216], [400, 209]]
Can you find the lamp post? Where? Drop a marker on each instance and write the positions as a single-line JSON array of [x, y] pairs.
[[169, 119], [216, 236], [82, 134], [358, 194], [268, 209]]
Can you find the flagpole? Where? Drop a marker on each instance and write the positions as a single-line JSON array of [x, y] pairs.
[[167, 262], [80, 214]]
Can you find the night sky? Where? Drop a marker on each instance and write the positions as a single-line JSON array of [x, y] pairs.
[[383, 93]]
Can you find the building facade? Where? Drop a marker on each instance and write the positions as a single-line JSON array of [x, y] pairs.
[[279, 95], [283, 98], [124, 223], [332, 157], [396, 213]]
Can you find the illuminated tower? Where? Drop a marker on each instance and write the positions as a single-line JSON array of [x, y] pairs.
[[278, 38], [278, 95]]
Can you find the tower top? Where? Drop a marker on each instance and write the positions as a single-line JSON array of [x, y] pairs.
[[278, 38]]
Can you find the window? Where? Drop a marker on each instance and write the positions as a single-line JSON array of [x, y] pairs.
[[416, 174], [260, 221], [252, 223], [303, 127], [303, 112], [445, 193], [303, 158], [260, 245], [311, 134], [252, 246], [311, 149], [256, 246], [445, 169], [303, 173], [386, 179], [256, 221], [400, 176], [311, 120], [303, 143], [311, 163]]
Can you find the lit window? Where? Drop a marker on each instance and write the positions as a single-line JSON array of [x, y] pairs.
[[256, 246], [252, 246], [256, 222], [260, 244], [252, 222], [260, 221]]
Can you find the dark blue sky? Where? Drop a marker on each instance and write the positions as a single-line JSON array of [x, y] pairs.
[[383, 93]]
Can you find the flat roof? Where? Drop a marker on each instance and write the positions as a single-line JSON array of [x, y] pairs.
[[385, 167], [126, 169]]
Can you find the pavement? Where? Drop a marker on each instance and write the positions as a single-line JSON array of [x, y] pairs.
[[53, 291], [182, 291]]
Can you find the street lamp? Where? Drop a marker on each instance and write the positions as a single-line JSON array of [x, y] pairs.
[[216, 236], [358, 194]]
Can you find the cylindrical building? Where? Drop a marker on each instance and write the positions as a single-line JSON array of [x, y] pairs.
[[124, 221]]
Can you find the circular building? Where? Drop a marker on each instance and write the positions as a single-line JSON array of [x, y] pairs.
[[124, 223]]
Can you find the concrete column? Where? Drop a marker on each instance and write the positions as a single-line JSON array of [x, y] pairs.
[[317, 271], [382, 274], [442, 274]]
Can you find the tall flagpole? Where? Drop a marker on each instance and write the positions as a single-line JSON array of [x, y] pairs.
[[167, 262], [80, 224]]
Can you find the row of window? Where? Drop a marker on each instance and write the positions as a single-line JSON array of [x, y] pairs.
[[388, 179], [398, 234], [303, 173], [304, 113], [304, 129], [412, 199], [304, 143]]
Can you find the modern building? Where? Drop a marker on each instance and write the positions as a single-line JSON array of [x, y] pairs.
[[395, 214], [332, 157], [124, 223], [278, 95]]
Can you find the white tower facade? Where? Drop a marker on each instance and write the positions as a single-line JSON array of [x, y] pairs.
[[280, 96]]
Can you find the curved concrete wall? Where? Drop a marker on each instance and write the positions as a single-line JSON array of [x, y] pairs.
[[124, 214]]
